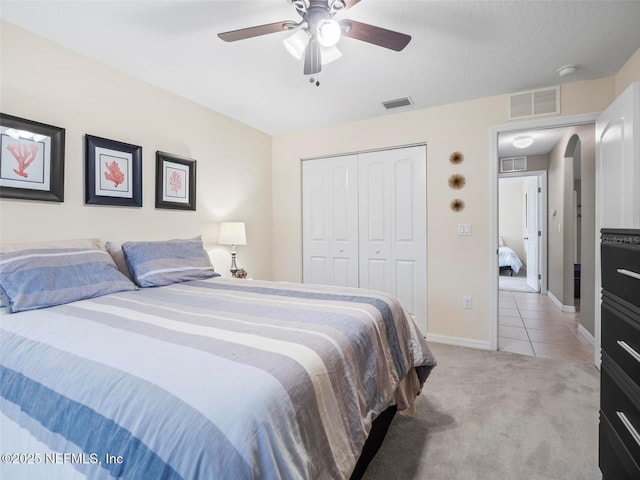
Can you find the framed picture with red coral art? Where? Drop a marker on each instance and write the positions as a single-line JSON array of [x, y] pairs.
[[31, 160], [113, 173], [175, 182]]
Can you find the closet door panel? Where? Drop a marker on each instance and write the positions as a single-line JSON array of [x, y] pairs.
[[316, 270], [409, 239], [330, 221], [404, 201], [375, 222], [394, 227], [374, 274], [364, 224], [406, 276]]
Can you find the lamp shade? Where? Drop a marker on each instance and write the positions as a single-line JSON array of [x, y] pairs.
[[232, 233]]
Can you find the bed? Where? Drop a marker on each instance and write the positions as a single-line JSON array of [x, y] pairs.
[[508, 260], [191, 375]]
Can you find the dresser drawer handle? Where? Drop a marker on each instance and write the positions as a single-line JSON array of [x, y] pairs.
[[634, 433], [628, 273], [627, 348]]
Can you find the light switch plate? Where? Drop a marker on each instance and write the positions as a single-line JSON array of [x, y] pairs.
[[464, 229]]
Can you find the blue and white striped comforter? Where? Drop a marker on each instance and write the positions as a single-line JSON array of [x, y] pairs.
[[214, 379]]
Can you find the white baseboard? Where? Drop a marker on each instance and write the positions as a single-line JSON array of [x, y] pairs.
[[585, 333], [558, 303], [458, 341]]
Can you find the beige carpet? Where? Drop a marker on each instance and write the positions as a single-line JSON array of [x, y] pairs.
[[496, 416]]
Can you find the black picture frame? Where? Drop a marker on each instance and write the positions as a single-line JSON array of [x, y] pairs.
[[175, 182], [43, 161], [113, 173]]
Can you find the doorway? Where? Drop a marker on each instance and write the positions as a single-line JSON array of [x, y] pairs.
[[522, 229], [542, 306]]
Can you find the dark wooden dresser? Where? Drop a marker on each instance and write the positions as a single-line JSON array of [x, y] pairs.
[[619, 456]]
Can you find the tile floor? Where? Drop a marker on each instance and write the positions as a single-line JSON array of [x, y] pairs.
[[531, 324]]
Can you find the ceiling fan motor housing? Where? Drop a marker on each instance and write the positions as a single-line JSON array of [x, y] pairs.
[[317, 12]]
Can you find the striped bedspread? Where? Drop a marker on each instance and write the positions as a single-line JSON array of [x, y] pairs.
[[212, 379]]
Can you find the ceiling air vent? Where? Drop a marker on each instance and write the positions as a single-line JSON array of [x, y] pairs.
[[513, 164], [544, 101], [397, 103]]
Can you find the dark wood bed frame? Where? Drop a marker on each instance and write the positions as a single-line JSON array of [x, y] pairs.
[[379, 429], [508, 268]]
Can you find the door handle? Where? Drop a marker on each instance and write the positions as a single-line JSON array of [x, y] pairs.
[[526, 238]]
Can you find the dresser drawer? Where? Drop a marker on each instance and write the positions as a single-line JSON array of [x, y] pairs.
[[620, 327], [620, 403], [620, 255], [616, 463]]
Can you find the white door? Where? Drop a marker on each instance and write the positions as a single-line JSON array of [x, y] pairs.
[[532, 237], [617, 175], [393, 226], [330, 221]]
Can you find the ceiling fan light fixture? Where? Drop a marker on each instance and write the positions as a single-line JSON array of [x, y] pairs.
[[329, 32], [329, 55], [297, 43], [523, 141]]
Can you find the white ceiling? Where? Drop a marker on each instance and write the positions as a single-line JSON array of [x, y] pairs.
[[544, 140], [459, 50]]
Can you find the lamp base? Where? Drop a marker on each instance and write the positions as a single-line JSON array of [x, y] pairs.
[[234, 267]]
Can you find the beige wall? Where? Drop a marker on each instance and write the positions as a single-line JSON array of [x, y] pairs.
[[244, 174], [47, 83], [537, 163], [560, 233], [628, 74], [457, 266]]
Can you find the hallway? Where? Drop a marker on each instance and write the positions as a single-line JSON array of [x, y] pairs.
[[531, 324]]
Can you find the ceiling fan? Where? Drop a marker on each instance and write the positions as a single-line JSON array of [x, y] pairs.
[[318, 33]]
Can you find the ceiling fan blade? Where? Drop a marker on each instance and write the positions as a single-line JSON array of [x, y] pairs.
[[375, 35], [312, 60], [250, 32]]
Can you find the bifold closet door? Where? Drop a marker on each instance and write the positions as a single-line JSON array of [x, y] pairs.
[[393, 228], [330, 221]]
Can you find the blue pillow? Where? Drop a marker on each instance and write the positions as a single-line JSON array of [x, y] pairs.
[[153, 264], [45, 277]]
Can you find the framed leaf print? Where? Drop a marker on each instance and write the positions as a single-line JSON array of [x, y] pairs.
[[113, 173], [31, 160], [175, 182]]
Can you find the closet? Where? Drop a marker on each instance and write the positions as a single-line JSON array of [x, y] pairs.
[[365, 223]]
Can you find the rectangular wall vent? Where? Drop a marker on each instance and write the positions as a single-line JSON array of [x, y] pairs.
[[544, 101], [513, 164], [397, 103]]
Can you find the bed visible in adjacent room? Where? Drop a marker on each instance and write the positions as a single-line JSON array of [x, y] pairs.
[[188, 374], [508, 259]]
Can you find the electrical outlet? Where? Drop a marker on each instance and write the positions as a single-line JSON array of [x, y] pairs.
[[466, 302]]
